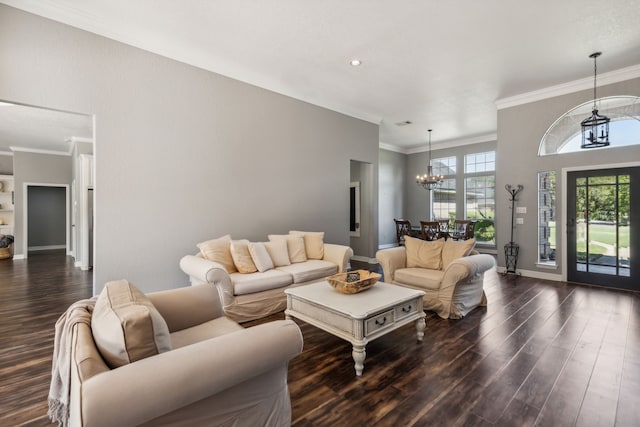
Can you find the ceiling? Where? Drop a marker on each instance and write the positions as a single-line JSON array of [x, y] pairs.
[[26, 128], [437, 64]]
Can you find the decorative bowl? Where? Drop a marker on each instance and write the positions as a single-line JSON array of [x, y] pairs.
[[346, 283]]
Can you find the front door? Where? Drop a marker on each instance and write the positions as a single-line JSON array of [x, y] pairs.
[[602, 227]]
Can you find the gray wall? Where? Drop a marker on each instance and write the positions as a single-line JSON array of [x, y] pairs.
[[47, 216], [6, 165], [520, 130], [35, 169], [182, 154], [393, 189], [366, 244]]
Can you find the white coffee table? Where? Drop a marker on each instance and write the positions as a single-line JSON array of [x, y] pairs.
[[357, 318]]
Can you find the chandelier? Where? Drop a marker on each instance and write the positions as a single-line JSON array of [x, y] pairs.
[[429, 181], [595, 129]]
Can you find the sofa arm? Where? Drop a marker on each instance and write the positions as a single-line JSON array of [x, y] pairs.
[[459, 271], [202, 270], [338, 254], [390, 260], [143, 390]]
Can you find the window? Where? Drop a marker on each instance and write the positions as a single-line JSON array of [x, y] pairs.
[[444, 200], [480, 162], [564, 135], [480, 194], [444, 196], [547, 218]]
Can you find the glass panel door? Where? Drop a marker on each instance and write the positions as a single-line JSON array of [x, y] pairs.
[[600, 217]]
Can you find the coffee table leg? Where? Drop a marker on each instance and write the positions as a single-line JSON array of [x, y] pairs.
[[420, 327], [359, 355]]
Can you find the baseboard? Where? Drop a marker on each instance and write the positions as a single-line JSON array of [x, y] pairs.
[[18, 256], [364, 259], [387, 246], [46, 248], [535, 274]]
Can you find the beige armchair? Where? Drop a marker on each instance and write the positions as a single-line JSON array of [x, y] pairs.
[[453, 287], [217, 372]]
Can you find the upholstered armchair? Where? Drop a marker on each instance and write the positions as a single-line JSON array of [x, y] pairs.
[[215, 372]]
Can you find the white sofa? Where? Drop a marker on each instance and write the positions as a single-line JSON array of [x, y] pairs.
[[450, 273], [250, 296]]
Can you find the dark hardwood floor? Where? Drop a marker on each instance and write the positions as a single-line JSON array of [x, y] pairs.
[[542, 353]]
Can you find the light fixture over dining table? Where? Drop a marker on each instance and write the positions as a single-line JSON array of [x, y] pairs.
[[429, 181]]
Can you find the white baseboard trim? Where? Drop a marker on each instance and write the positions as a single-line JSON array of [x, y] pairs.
[[46, 248], [535, 274], [77, 264], [364, 259], [387, 246], [18, 256]]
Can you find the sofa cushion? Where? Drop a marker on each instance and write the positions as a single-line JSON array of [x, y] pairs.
[[453, 250], [242, 257], [126, 326], [278, 252], [204, 331], [419, 277], [256, 282], [295, 246], [424, 254], [218, 250], [313, 243], [260, 257], [310, 270]]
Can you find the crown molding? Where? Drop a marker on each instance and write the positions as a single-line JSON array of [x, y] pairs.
[[38, 151], [75, 139], [492, 137], [6, 153], [394, 148], [604, 79]]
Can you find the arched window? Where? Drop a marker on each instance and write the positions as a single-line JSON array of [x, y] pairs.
[[564, 136]]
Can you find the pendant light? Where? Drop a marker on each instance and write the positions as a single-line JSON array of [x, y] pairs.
[[595, 129], [429, 181]]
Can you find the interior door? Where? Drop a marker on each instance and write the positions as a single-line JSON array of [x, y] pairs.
[[601, 234]]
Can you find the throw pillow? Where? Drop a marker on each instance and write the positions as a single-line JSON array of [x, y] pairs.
[[423, 254], [126, 326], [456, 249], [278, 252], [242, 257], [295, 246], [218, 250], [260, 257], [313, 243]]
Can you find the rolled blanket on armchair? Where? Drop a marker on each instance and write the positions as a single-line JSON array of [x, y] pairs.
[[60, 388]]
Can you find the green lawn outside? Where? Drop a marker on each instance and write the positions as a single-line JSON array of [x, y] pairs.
[[606, 234]]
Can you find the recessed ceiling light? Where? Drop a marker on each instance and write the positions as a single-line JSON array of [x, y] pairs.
[[355, 62]]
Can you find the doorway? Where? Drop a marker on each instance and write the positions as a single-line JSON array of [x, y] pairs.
[[601, 235], [46, 222]]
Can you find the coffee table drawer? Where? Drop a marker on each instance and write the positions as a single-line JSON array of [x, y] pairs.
[[379, 321], [406, 309]]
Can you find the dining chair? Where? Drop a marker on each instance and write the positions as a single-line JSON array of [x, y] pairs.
[[443, 223], [430, 230], [460, 227], [403, 228]]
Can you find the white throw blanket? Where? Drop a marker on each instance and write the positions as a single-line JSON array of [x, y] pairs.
[[60, 389]]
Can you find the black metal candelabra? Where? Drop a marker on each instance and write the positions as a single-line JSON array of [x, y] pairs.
[[511, 249]]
